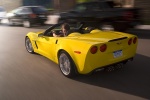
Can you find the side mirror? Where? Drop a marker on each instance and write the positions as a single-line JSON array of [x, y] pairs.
[[40, 35]]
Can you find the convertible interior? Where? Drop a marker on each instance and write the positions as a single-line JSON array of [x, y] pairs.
[[81, 28]]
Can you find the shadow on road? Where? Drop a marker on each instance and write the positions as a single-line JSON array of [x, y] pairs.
[[133, 79]]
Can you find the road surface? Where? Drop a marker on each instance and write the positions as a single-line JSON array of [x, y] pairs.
[[25, 76]]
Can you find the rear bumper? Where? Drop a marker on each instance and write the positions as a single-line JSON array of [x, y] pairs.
[[114, 64]]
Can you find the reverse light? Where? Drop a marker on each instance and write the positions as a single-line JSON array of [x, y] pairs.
[[103, 47], [130, 41], [93, 50], [135, 40]]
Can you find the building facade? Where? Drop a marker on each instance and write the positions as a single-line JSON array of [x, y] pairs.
[[10, 4], [145, 9]]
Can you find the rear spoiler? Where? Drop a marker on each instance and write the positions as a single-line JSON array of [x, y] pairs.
[[117, 39]]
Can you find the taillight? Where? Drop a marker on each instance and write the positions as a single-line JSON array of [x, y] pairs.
[[128, 16], [135, 40], [103, 47], [130, 41], [93, 50], [32, 15]]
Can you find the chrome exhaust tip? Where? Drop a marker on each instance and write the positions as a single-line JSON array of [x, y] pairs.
[[119, 66], [110, 69]]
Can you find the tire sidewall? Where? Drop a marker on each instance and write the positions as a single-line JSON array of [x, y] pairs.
[[73, 71], [27, 39]]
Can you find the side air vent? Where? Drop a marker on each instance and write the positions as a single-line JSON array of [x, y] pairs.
[[117, 39]]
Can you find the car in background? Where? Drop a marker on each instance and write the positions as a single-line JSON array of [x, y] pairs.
[[27, 15], [103, 14], [2, 13]]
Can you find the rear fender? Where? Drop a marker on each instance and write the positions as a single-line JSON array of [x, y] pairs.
[[76, 52]]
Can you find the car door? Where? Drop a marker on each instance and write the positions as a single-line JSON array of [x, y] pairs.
[[46, 46], [19, 14]]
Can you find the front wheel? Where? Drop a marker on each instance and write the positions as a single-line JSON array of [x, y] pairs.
[[66, 64], [28, 45]]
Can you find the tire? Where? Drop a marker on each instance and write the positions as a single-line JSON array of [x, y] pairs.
[[26, 23], [10, 22], [66, 65], [107, 27], [28, 45]]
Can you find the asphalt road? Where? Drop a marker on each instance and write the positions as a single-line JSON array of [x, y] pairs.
[[25, 76]]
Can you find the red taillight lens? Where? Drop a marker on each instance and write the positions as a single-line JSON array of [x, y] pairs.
[[130, 41], [103, 47], [32, 15], [93, 49], [128, 16], [135, 40]]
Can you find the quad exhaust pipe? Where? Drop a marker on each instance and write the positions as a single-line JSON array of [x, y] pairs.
[[114, 67], [109, 69]]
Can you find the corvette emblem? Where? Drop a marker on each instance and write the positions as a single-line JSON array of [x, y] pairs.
[[119, 43]]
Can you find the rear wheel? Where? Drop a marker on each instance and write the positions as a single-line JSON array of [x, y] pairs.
[[10, 22], [66, 64], [26, 23], [28, 45]]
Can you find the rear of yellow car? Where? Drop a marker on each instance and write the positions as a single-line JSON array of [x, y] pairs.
[[110, 51]]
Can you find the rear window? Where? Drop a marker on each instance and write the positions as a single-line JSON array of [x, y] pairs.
[[39, 10]]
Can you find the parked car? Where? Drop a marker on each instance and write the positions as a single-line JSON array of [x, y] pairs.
[[84, 50], [27, 15], [104, 15], [2, 13]]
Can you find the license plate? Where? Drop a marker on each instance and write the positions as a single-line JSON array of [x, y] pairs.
[[117, 53]]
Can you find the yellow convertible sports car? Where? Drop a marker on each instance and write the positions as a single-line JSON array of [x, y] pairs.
[[84, 50]]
